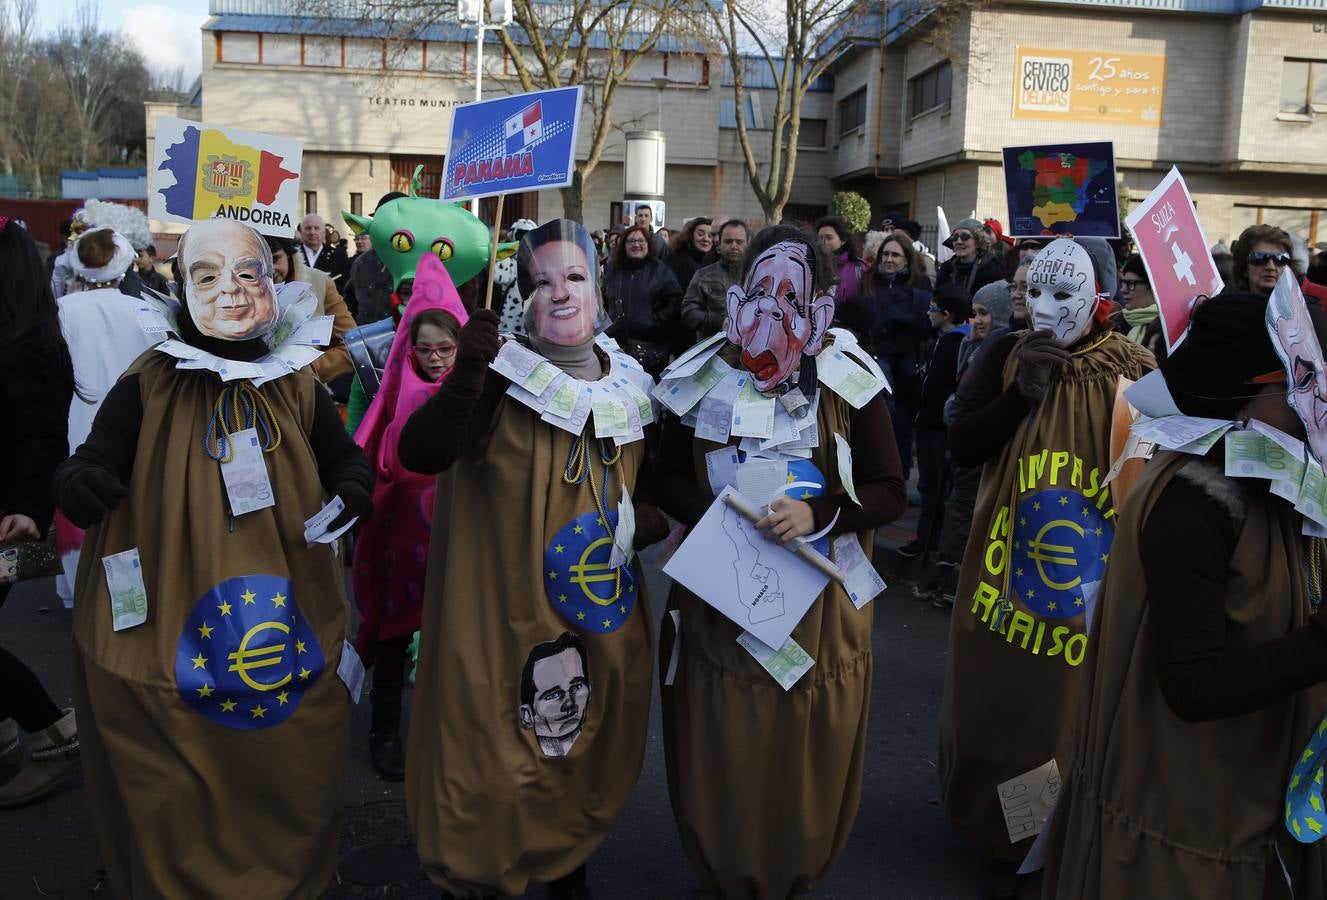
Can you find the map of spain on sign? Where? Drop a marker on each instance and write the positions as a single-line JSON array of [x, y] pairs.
[[1066, 189], [201, 171]]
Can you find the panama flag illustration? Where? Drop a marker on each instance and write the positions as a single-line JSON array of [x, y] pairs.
[[524, 128]]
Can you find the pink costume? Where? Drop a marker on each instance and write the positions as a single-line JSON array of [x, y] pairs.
[[391, 552]]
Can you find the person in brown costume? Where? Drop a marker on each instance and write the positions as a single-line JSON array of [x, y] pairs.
[[764, 783], [212, 723], [1207, 672], [1037, 410], [532, 694]]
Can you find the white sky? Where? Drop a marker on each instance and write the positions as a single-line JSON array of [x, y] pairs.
[[166, 33]]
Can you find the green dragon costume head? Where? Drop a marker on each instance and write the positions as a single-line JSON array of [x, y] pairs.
[[406, 228]]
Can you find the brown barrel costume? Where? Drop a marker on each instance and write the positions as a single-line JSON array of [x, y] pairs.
[[1117, 828], [765, 783], [1010, 692], [490, 812], [183, 806]]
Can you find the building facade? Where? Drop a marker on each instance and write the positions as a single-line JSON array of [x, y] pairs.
[[911, 117], [1229, 90]]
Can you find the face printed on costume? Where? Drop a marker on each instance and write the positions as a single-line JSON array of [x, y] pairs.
[[555, 694], [1297, 344], [228, 280], [1062, 290], [773, 317]]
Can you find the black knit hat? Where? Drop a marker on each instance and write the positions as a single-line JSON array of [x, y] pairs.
[[1227, 346]]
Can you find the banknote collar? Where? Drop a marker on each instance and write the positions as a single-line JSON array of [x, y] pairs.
[[291, 347], [618, 369]]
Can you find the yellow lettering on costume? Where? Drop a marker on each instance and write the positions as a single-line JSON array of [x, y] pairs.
[[1076, 479], [1020, 622], [1059, 459], [1000, 527], [1022, 479], [1075, 649], [1057, 640], [1036, 644], [246, 657], [1103, 497], [985, 597], [1036, 468], [1093, 477], [993, 566]]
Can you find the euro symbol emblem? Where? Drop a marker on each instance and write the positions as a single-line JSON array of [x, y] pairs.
[[585, 573], [1041, 552], [244, 659]]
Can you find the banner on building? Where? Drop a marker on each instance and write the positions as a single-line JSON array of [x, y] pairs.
[[201, 171], [526, 142], [1089, 86], [1174, 249], [1062, 189]]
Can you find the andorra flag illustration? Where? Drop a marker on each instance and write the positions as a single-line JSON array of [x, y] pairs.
[[204, 171]]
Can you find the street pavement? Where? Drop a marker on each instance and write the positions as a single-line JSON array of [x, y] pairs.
[[901, 846]]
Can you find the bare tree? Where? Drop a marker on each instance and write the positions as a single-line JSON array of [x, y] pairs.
[[39, 129], [100, 72], [16, 49], [558, 40], [796, 41], [594, 43]]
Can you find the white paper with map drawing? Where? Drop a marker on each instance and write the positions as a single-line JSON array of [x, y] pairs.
[[764, 588]]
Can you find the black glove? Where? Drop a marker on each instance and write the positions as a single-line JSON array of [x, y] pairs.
[[358, 502], [86, 492], [477, 345], [1038, 356]]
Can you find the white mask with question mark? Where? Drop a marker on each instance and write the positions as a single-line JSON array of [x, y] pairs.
[[1062, 290]]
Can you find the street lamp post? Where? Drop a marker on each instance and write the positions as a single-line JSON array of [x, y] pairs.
[[484, 15]]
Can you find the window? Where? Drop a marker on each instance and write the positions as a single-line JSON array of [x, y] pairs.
[[446, 57], [357, 204], [852, 111], [363, 53], [811, 133], [281, 50], [728, 112], [310, 202], [322, 51], [1304, 86], [930, 89], [238, 47]]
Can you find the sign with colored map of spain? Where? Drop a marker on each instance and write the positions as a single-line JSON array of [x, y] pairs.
[[1094, 87], [1062, 189], [202, 171]]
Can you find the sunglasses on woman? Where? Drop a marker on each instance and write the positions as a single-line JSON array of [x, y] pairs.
[[962, 236], [1262, 258]]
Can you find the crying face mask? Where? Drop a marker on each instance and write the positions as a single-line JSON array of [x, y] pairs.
[[773, 317], [1062, 291]]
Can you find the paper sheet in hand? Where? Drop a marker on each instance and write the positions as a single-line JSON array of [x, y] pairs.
[[761, 586], [1028, 800], [761, 480], [247, 486], [351, 671]]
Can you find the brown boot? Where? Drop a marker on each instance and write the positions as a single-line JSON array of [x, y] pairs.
[[54, 758]]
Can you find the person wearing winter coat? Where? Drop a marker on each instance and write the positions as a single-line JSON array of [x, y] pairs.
[[973, 265], [839, 241], [644, 301]]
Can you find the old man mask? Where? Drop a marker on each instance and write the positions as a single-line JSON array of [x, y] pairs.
[[227, 271], [776, 316]]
